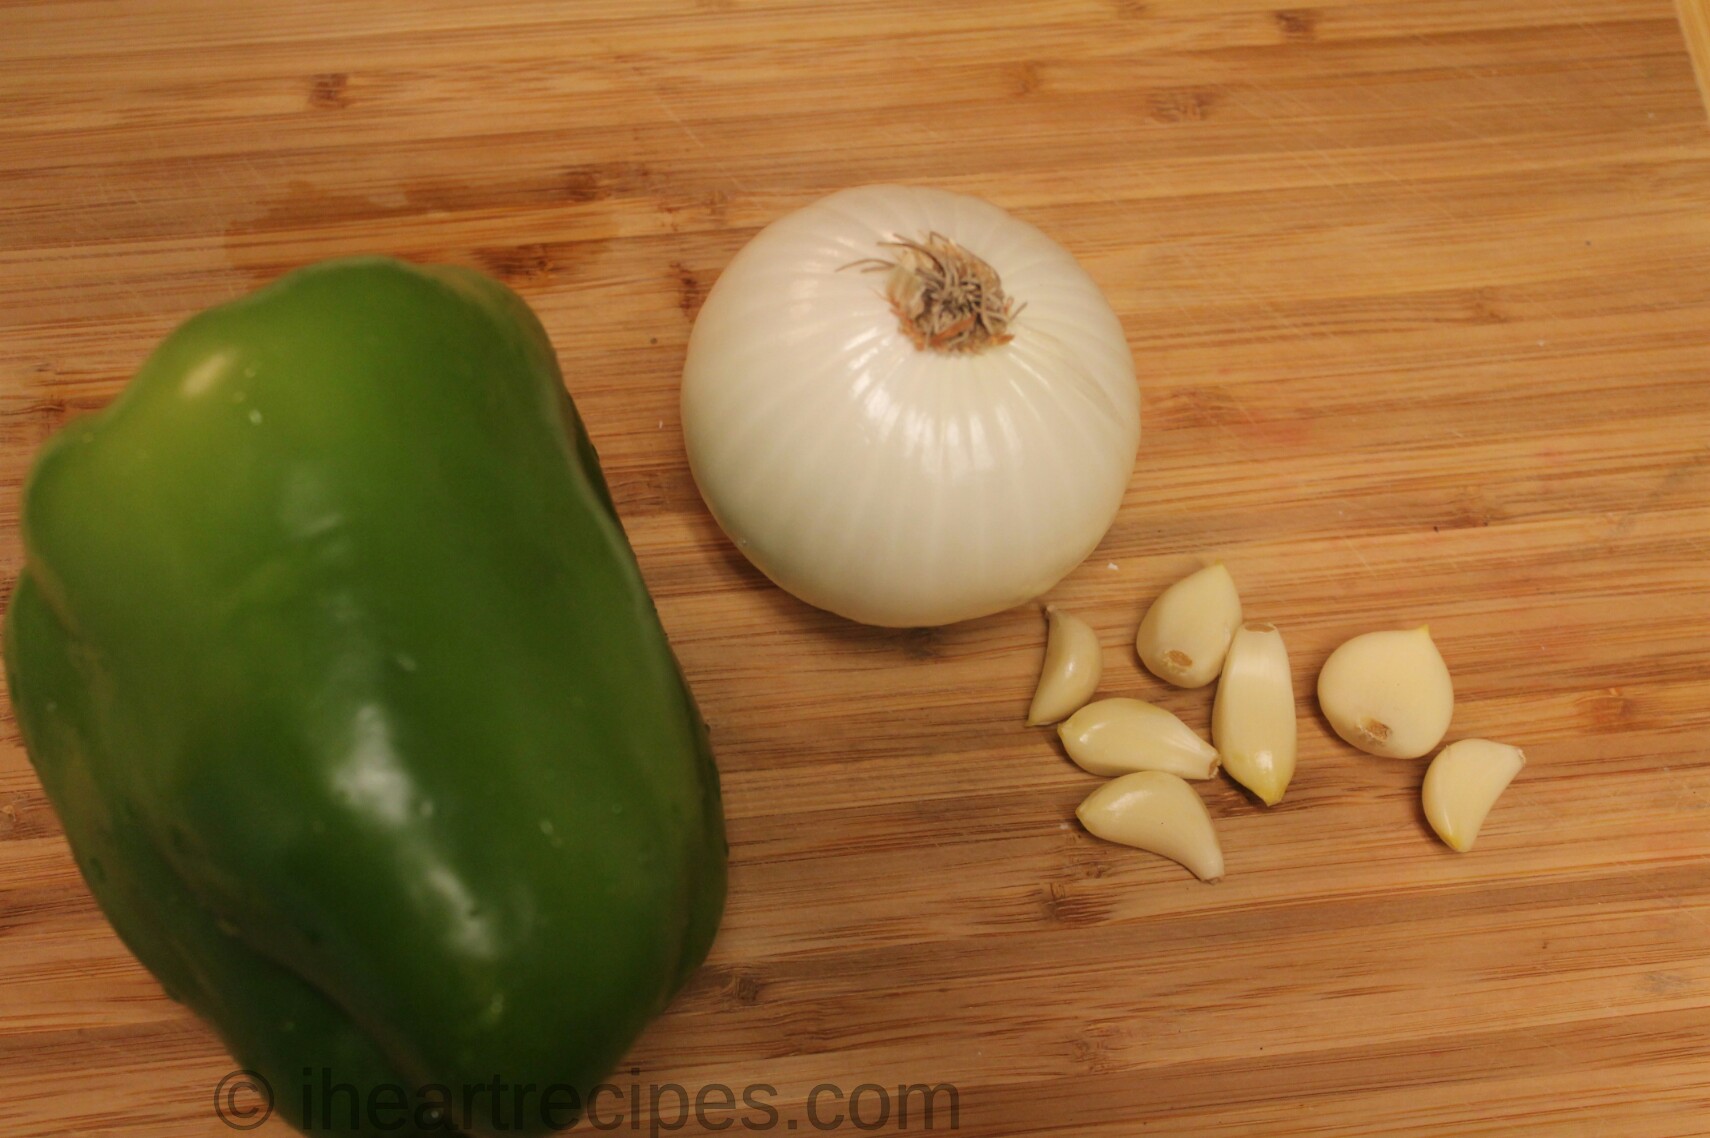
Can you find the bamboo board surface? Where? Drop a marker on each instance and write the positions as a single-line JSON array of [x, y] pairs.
[[1419, 293]]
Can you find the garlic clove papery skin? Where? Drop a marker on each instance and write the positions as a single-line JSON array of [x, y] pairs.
[[893, 485], [1073, 665], [1252, 718], [1186, 632], [1158, 813], [1119, 735], [1388, 693], [1461, 785]]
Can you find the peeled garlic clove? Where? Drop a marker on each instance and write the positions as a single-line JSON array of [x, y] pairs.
[[1115, 736], [1252, 719], [1184, 635], [1388, 693], [1073, 663], [1463, 783], [1159, 813]]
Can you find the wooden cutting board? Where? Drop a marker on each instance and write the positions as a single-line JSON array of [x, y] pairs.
[[1419, 294]]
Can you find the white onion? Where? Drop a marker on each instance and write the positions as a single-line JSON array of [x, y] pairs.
[[897, 485]]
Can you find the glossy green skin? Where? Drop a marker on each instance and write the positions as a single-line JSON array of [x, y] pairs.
[[335, 662]]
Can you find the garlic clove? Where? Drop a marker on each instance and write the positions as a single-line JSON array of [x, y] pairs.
[[1073, 664], [1388, 693], [1184, 635], [1252, 717], [1159, 813], [1116, 736], [1463, 783]]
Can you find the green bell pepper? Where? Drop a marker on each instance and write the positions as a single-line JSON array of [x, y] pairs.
[[336, 665]]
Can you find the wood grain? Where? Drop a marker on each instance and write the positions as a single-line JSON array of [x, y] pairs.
[[1418, 295], [1695, 26]]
